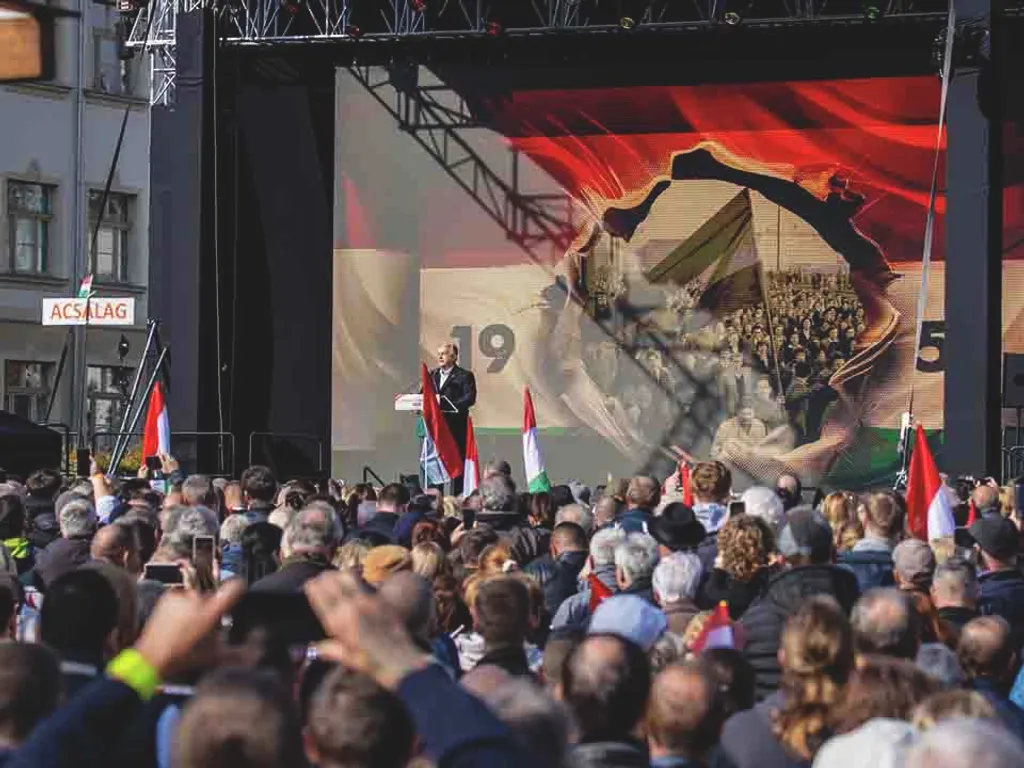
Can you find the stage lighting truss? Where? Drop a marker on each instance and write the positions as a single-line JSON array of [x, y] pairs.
[[243, 22]]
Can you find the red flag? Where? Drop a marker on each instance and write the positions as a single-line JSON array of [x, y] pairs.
[[598, 592], [471, 466], [717, 631], [437, 428], [685, 483], [156, 435], [929, 515], [972, 513]]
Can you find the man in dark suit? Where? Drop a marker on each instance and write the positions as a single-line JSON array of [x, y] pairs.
[[459, 386]]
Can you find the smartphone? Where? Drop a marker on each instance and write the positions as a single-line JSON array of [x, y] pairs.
[[737, 508], [83, 461], [168, 574], [153, 463], [468, 518], [159, 485], [202, 552]]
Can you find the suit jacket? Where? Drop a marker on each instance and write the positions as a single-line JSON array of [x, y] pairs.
[[460, 388]]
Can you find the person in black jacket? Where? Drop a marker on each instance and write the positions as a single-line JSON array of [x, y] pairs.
[[806, 545], [79, 621], [1001, 582], [77, 527], [501, 614], [558, 573], [499, 514], [606, 682], [307, 547], [459, 387]]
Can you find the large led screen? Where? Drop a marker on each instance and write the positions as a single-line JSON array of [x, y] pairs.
[[725, 271]]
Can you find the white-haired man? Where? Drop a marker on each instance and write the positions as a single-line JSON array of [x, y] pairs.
[[765, 504], [307, 547], [676, 579], [78, 524]]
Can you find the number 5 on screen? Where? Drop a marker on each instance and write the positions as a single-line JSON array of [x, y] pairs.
[[496, 342]]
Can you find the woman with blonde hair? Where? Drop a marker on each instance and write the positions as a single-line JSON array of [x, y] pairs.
[[787, 729], [840, 509], [429, 561]]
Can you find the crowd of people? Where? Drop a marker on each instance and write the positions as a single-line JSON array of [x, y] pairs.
[[259, 623]]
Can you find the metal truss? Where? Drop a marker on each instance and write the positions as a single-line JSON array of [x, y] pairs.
[[154, 30], [267, 21], [433, 115]]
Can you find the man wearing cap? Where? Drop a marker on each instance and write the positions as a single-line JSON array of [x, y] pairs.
[[805, 544], [1002, 586], [913, 567]]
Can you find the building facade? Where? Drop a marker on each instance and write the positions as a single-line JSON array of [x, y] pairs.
[[57, 145]]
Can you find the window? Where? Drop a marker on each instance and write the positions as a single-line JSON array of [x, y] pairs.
[[108, 260], [111, 73], [29, 215], [27, 388], [107, 387]]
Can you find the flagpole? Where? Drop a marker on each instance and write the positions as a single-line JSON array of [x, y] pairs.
[[115, 461], [771, 325]]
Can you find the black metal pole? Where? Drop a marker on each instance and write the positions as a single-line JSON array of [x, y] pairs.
[[57, 377], [974, 242], [121, 436], [115, 461]]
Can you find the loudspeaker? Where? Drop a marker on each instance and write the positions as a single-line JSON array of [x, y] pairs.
[[1013, 381]]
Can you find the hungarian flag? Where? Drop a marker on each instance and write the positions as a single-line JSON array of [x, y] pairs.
[[722, 256], [929, 514], [717, 631], [440, 454], [471, 467], [536, 476], [598, 592], [156, 435], [85, 289]]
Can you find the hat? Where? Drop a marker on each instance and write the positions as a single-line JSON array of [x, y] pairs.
[[996, 536], [914, 561], [382, 562], [630, 617], [806, 534], [677, 528]]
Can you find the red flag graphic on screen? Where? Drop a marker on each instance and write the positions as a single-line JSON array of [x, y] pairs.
[[598, 592], [156, 435], [929, 515], [437, 428]]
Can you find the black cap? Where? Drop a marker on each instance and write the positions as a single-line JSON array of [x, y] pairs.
[[996, 536], [806, 533], [677, 528]]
